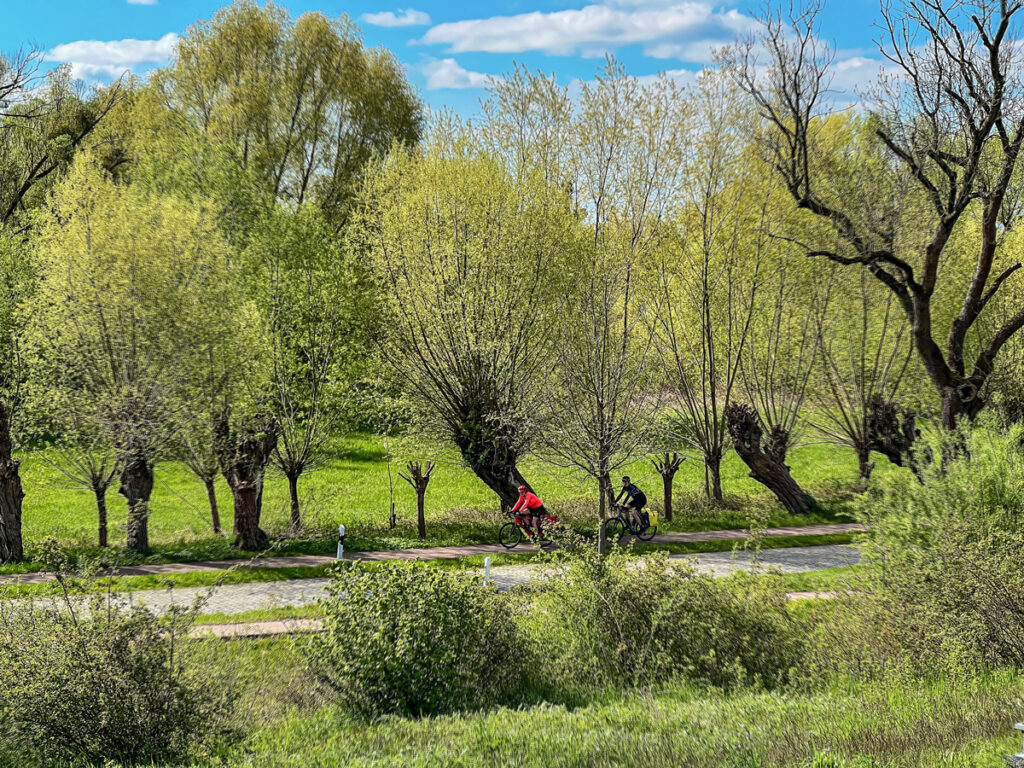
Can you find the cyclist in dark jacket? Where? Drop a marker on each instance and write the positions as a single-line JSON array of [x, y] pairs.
[[637, 499]]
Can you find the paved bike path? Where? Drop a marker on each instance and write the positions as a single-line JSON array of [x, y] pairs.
[[427, 553], [240, 598]]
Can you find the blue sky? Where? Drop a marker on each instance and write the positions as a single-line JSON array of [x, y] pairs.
[[448, 48]]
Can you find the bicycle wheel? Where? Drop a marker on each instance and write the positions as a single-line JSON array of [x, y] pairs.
[[614, 531], [510, 535], [648, 533]]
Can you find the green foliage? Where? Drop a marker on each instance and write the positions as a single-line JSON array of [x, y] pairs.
[[134, 298], [302, 101], [412, 640], [89, 681], [603, 621], [474, 262], [945, 584]]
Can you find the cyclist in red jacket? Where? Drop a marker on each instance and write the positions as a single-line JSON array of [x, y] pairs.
[[528, 502]]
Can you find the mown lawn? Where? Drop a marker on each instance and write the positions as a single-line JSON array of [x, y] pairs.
[[352, 488]]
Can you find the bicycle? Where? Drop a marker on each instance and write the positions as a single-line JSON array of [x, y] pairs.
[[622, 524], [512, 533]]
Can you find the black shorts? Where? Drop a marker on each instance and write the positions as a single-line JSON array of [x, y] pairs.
[[538, 511], [638, 502]]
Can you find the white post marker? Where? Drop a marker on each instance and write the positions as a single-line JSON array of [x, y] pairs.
[[1019, 727], [341, 541], [487, 571]]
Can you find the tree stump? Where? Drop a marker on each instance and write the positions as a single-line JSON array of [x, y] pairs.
[[419, 478], [667, 465]]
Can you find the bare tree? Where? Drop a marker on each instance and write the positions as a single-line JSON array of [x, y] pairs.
[[709, 287], [419, 478], [864, 351], [950, 121], [89, 463], [625, 147], [198, 453], [667, 465]]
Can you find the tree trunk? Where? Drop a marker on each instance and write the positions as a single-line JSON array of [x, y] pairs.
[[666, 483], [101, 510], [767, 462], [713, 462], [892, 431], [419, 479], [864, 463], [250, 536], [137, 487], [211, 497], [667, 465], [421, 520], [244, 455], [293, 494], [604, 483], [504, 480], [11, 494]]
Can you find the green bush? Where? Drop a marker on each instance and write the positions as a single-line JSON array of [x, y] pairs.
[[86, 682], [946, 590], [404, 638], [605, 621]]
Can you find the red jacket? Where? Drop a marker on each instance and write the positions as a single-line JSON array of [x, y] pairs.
[[527, 501]]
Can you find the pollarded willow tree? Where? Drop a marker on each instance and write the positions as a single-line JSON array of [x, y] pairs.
[[623, 147], [864, 354], [44, 121], [473, 264], [709, 279], [949, 123], [133, 291]]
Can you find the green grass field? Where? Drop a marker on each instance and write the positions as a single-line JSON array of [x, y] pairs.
[[941, 724], [352, 488]]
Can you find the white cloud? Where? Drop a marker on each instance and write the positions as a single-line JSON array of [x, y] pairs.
[[666, 29], [111, 58], [142, 2], [406, 17], [448, 73]]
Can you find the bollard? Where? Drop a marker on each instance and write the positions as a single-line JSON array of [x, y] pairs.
[[341, 541], [487, 571]]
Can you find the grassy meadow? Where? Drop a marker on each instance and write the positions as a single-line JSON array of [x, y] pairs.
[[351, 487], [942, 723]]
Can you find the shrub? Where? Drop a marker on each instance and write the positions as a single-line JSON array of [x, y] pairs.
[[603, 621], [408, 639], [88, 681], [946, 590]]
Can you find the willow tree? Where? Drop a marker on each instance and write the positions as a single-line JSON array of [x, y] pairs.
[[472, 261], [318, 301], [132, 291], [302, 103], [622, 166], [864, 355], [949, 123], [709, 277], [44, 120]]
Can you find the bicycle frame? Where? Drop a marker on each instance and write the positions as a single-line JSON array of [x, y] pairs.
[[525, 522]]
